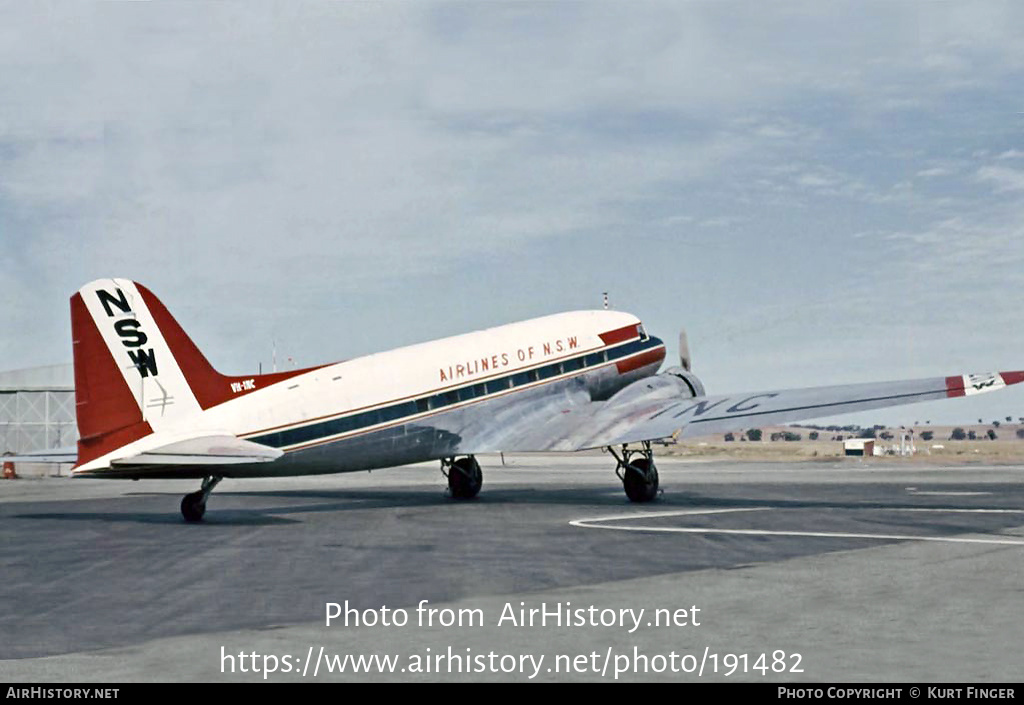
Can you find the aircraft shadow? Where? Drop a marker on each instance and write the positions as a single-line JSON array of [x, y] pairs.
[[362, 499], [168, 518], [323, 501], [335, 501], [596, 497]]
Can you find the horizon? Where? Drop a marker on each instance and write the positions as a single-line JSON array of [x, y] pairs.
[[820, 194]]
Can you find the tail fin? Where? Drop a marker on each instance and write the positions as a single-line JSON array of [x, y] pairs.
[[136, 371]]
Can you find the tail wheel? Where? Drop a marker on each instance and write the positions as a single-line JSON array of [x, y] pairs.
[[640, 480], [193, 506], [465, 478]]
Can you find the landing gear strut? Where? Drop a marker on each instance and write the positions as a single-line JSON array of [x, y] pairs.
[[638, 474], [193, 505], [464, 476]]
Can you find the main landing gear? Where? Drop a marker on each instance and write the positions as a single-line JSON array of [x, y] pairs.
[[465, 478], [638, 474], [193, 505]]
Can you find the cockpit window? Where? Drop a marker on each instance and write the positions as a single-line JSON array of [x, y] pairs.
[[640, 330]]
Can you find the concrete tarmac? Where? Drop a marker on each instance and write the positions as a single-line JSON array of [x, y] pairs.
[[842, 571]]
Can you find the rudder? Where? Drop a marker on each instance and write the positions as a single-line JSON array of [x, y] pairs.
[[127, 382], [137, 371]]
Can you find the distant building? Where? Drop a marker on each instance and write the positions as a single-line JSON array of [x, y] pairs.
[[37, 412], [859, 446]]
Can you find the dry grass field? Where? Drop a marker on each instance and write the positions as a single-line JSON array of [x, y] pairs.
[[1006, 449]]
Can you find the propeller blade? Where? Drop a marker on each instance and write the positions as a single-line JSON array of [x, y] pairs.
[[684, 351]]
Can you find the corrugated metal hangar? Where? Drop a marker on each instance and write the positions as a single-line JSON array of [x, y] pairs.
[[37, 412]]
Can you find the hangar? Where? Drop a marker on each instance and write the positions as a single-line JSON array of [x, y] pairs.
[[37, 412]]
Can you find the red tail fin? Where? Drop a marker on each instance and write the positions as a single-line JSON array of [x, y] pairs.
[[107, 412], [136, 371]]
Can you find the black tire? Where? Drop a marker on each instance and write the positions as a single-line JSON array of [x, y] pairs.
[[641, 480], [465, 478], [193, 507]]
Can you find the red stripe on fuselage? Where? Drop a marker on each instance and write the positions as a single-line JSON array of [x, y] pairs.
[[620, 335], [636, 362]]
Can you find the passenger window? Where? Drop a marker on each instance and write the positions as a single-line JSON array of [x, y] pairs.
[[572, 365], [498, 385]]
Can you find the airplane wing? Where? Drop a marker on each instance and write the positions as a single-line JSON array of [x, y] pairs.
[[640, 421], [655, 415]]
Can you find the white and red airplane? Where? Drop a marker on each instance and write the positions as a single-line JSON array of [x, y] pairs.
[[149, 405]]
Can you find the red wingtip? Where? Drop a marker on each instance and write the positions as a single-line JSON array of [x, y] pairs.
[[1012, 377]]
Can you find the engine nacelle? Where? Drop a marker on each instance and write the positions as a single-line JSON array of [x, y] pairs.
[[673, 383], [691, 380]]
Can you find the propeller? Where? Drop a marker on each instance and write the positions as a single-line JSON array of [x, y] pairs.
[[684, 351]]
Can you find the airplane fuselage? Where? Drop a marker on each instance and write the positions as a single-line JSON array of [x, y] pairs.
[[422, 402]]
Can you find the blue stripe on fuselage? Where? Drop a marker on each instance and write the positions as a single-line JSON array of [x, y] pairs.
[[439, 401]]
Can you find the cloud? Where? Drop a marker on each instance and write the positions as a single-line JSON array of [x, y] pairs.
[[389, 172], [1004, 178]]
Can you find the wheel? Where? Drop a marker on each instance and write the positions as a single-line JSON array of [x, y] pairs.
[[641, 480], [193, 507], [465, 478]]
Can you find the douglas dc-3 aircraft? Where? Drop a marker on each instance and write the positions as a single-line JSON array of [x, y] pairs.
[[149, 405]]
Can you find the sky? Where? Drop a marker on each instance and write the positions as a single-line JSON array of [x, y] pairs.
[[820, 193]]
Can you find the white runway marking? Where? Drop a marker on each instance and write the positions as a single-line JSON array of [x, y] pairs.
[[936, 493], [600, 523]]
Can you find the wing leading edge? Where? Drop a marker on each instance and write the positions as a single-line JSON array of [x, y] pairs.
[[645, 420]]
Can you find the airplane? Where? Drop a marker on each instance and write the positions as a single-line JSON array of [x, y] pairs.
[[150, 405]]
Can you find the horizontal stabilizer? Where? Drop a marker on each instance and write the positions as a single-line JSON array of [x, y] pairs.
[[49, 455], [203, 450]]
